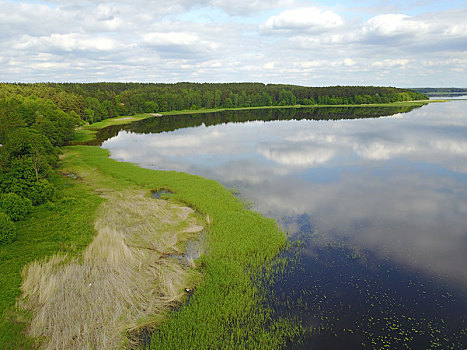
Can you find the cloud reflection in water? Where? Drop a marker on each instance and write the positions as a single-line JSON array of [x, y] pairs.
[[395, 185]]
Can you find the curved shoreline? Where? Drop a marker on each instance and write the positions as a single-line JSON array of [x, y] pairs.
[[241, 244], [87, 133]]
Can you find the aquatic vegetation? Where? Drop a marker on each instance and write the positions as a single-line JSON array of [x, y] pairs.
[[227, 309], [342, 303]]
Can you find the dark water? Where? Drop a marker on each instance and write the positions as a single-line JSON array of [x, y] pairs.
[[378, 204]]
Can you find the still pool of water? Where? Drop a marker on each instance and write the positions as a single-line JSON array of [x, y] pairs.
[[377, 196]]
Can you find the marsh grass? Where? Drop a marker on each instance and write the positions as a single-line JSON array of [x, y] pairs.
[[126, 278], [228, 308], [64, 226], [93, 299]]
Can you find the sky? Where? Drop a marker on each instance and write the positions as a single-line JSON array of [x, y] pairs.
[[411, 43]]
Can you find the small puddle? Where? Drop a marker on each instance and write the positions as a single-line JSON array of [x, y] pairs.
[[161, 193], [194, 248]]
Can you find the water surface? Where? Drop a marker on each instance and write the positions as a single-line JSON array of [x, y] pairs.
[[378, 198]]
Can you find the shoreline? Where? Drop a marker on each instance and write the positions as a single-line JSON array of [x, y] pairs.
[[244, 244], [225, 291], [87, 133]]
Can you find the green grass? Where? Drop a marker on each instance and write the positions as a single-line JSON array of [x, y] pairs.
[[116, 121], [83, 135], [228, 309], [63, 226]]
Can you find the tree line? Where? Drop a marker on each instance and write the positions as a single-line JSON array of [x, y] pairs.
[[31, 131], [97, 101]]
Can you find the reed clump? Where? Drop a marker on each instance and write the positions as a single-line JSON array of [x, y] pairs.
[[125, 279], [229, 309]]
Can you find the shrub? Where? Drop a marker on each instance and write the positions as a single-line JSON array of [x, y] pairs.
[[41, 192], [15, 206], [7, 230], [18, 176]]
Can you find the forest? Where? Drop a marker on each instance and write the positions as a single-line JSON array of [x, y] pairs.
[[37, 119], [97, 101]]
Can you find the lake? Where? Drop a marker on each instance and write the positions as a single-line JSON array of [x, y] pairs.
[[374, 201]]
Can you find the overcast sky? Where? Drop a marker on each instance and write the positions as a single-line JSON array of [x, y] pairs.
[[410, 43]]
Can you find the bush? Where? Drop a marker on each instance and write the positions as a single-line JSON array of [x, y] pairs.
[[7, 230], [15, 206], [41, 192], [18, 176]]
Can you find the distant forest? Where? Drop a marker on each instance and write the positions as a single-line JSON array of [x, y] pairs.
[[97, 101], [441, 91]]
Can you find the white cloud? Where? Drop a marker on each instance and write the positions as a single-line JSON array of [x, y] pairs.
[[171, 38], [390, 25], [311, 19], [392, 63], [213, 40], [348, 62], [67, 42]]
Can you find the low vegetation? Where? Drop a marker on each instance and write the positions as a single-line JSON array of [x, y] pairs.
[[7, 230], [140, 292], [238, 242], [64, 226], [125, 280]]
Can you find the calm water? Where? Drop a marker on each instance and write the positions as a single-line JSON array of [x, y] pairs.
[[379, 204]]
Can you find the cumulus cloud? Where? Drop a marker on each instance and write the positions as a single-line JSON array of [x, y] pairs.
[[393, 25], [392, 63], [430, 33], [67, 42], [279, 41], [311, 20]]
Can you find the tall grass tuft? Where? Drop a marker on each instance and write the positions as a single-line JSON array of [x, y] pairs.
[[124, 279]]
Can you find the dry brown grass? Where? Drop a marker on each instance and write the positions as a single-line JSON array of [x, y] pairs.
[[126, 277]]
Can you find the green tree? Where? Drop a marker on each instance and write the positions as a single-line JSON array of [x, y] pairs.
[[29, 143]]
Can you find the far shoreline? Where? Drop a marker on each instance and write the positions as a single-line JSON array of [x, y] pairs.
[[87, 133]]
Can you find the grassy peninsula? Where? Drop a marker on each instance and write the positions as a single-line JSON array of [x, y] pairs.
[[239, 243]]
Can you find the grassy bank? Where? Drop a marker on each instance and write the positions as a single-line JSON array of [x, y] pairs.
[[227, 308], [125, 279], [65, 226]]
